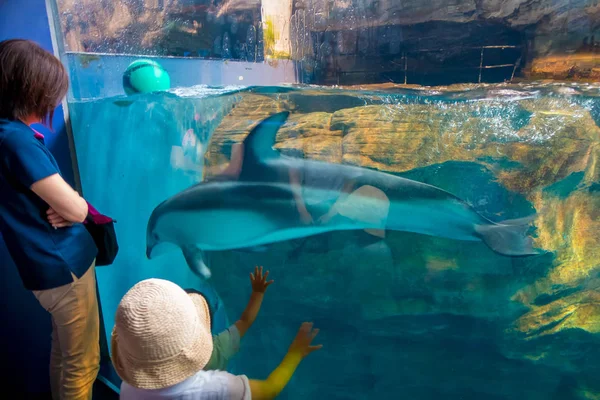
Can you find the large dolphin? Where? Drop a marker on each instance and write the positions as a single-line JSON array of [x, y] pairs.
[[259, 206]]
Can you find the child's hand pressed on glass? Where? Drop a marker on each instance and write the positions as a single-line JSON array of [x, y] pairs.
[[259, 281]]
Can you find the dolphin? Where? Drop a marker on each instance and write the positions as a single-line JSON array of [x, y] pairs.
[[259, 207]]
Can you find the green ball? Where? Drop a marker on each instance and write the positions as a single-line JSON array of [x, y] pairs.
[[145, 76]]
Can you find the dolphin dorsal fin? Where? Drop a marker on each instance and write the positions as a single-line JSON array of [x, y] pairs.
[[258, 145]]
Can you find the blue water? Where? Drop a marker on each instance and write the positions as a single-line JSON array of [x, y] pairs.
[[410, 316]]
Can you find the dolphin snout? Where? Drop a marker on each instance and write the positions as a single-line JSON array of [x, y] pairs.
[[151, 242]]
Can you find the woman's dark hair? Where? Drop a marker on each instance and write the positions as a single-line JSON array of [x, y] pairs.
[[32, 81]]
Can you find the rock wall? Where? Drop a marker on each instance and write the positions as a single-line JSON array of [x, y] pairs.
[[402, 137], [556, 28], [223, 29], [547, 34]]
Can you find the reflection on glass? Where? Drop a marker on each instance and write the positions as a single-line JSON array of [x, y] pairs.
[[376, 202]]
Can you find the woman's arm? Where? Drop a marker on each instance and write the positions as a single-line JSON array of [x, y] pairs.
[[61, 198], [279, 378], [31, 164], [295, 182]]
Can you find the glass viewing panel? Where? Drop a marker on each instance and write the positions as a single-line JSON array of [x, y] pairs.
[[430, 149]]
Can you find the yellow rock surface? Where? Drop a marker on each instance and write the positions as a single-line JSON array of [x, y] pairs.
[[560, 138]]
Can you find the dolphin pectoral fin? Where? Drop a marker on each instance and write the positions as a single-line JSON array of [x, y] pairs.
[[509, 237], [194, 256]]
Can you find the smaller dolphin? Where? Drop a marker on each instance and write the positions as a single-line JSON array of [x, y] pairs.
[[259, 207]]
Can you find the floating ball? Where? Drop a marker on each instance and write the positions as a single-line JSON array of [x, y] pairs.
[[145, 76]]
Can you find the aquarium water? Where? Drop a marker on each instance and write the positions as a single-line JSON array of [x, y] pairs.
[[407, 316]]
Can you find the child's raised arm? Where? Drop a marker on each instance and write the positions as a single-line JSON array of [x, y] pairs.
[[259, 286], [279, 378]]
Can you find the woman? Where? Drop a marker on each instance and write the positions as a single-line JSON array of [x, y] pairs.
[[41, 217]]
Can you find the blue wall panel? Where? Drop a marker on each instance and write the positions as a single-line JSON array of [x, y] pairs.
[[24, 326]]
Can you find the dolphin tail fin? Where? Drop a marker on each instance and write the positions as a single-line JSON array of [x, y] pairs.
[[509, 237], [194, 257], [259, 143]]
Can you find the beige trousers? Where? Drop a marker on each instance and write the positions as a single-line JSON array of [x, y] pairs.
[[75, 356]]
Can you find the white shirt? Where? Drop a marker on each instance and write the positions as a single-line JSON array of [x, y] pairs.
[[205, 385]]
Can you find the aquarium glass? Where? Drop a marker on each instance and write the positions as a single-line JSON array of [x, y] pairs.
[[426, 152]]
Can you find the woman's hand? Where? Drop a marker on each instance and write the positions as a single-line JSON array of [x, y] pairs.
[[259, 281], [56, 220], [302, 343]]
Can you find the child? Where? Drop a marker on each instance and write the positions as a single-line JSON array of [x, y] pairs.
[[227, 343], [162, 341]]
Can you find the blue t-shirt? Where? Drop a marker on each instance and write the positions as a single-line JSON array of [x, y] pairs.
[[44, 256]]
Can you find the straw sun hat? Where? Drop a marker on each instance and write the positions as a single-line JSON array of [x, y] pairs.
[[161, 336]]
